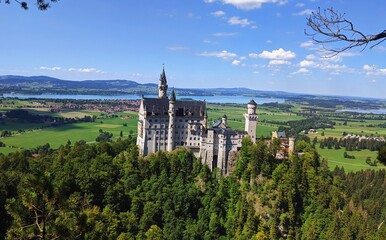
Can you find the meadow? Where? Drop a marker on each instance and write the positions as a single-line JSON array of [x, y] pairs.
[[336, 158], [57, 136]]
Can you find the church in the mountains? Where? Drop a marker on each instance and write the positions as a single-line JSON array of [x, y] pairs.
[[166, 123]]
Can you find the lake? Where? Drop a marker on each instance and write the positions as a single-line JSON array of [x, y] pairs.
[[365, 111], [209, 99]]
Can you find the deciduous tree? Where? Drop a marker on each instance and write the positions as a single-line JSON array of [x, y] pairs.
[[329, 26]]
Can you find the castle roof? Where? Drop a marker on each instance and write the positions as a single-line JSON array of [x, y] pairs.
[[173, 96], [159, 107], [252, 102], [162, 78], [281, 135], [219, 128]]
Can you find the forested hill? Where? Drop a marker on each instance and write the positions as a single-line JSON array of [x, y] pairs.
[[105, 191], [44, 84]]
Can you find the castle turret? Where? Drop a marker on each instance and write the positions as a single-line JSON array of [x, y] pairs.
[[291, 145], [251, 120], [162, 85], [171, 112], [224, 120], [205, 122]]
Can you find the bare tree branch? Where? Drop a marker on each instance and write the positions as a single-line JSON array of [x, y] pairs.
[[329, 26], [40, 4]]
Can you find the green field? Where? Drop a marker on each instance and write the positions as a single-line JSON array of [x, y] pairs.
[[57, 136], [335, 158]]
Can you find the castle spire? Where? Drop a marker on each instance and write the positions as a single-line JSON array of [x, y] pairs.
[[173, 96], [162, 84]]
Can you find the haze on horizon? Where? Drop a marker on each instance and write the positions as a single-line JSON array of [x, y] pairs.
[[203, 43]]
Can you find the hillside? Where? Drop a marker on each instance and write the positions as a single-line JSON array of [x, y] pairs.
[[45, 84]]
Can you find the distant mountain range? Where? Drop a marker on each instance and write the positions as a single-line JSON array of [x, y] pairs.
[[45, 84]]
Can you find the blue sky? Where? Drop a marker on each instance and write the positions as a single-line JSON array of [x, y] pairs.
[[259, 44]]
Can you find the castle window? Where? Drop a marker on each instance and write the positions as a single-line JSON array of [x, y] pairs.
[[156, 120], [150, 120]]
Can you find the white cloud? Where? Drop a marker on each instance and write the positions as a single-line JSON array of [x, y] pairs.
[[300, 5], [307, 63], [178, 48], [308, 45], [236, 62], [51, 68], [304, 12], [88, 70], [311, 57], [380, 48], [372, 70], [368, 67], [218, 13], [210, 42], [301, 71], [249, 4], [237, 21], [224, 34], [81, 70], [279, 54], [333, 67], [279, 62], [225, 55]]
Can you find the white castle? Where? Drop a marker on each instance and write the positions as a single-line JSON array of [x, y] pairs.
[[167, 123]]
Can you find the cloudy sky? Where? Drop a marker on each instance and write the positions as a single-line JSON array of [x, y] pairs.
[[259, 44]]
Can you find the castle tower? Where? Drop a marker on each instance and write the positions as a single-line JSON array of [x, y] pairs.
[[224, 120], [162, 85], [251, 120], [205, 122], [171, 112], [291, 145]]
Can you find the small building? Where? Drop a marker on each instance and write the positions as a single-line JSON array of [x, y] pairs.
[[287, 145]]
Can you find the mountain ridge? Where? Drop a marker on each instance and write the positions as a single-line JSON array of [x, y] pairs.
[[47, 84]]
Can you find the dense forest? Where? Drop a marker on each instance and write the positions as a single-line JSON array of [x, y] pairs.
[[105, 191]]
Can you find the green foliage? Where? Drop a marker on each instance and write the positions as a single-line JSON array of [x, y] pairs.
[[106, 191], [382, 155], [104, 136]]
